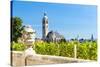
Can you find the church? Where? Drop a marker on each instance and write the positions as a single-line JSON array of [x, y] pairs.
[[47, 35]]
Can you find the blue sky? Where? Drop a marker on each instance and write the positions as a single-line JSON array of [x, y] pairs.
[[69, 20]]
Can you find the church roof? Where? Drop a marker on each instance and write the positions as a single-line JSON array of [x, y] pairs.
[[56, 34]]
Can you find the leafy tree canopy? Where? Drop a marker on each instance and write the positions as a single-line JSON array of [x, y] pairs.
[[16, 28]]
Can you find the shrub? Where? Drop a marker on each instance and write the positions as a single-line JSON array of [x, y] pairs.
[[84, 51], [17, 46]]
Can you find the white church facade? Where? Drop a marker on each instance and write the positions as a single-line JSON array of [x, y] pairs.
[[47, 35]]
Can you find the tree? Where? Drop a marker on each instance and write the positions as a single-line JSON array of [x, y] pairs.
[[16, 28], [63, 39]]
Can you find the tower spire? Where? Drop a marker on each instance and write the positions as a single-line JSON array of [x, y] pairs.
[[45, 13], [92, 37]]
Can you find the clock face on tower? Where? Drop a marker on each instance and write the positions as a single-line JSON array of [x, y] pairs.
[[46, 22]]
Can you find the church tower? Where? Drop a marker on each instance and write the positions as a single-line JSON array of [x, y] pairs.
[[44, 26]]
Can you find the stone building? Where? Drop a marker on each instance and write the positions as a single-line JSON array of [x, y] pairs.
[[54, 37], [49, 36], [44, 26]]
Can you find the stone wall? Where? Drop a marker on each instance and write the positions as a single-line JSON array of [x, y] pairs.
[[18, 59]]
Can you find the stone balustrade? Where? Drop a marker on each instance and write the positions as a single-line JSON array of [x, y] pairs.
[[18, 59]]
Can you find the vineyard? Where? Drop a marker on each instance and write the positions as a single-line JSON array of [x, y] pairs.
[[85, 50]]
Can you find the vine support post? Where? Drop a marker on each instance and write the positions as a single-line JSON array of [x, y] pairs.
[[75, 51]]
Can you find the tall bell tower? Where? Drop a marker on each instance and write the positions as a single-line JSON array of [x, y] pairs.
[[44, 26]]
